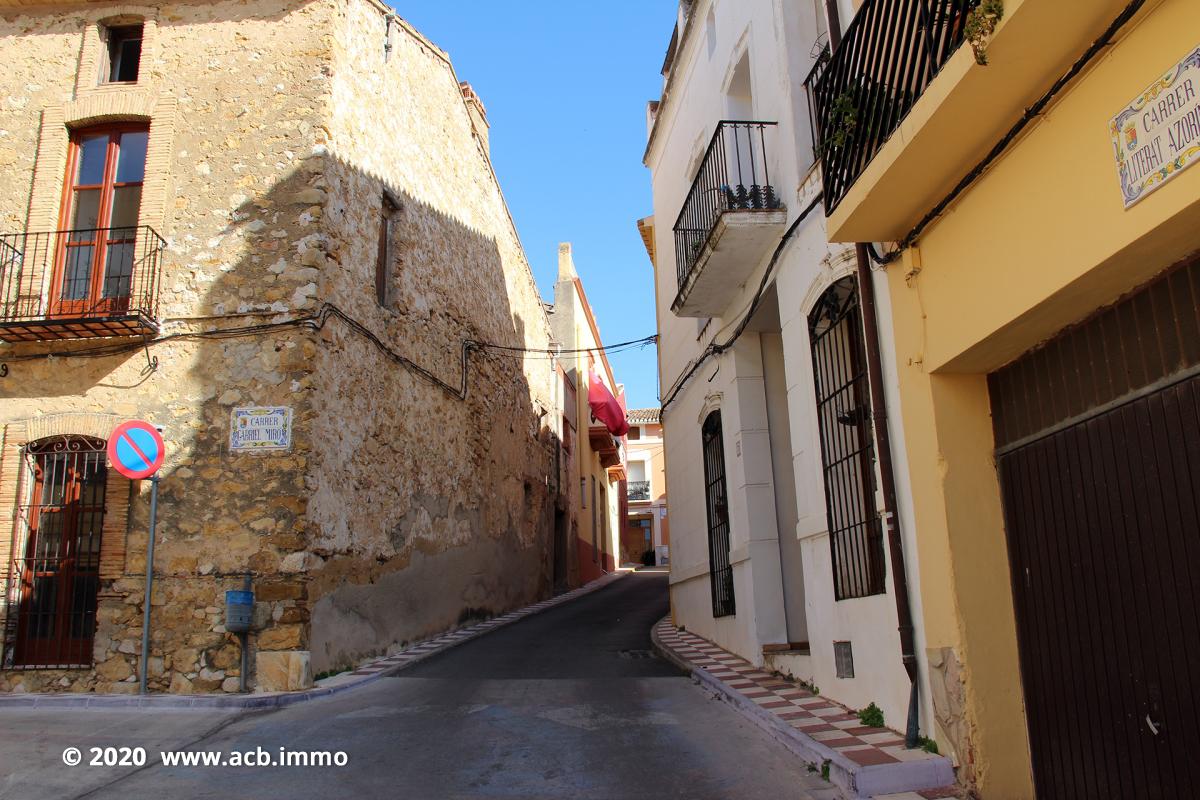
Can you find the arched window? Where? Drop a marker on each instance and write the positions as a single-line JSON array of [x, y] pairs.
[[57, 561], [717, 500], [847, 446]]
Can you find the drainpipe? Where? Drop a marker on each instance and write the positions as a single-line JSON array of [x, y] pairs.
[[908, 655], [834, 21], [866, 293]]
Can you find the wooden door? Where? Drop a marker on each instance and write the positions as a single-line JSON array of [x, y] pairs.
[[1098, 435], [1104, 542]]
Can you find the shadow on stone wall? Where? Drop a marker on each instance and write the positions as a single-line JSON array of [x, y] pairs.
[[398, 512], [401, 510]]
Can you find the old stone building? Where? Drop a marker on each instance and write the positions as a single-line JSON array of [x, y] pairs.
[[273, 210]]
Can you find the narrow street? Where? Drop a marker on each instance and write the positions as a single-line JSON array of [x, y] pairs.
[[568, 703]]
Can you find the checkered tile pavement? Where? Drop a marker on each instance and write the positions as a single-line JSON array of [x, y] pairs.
[[817, 717], [446, 640]]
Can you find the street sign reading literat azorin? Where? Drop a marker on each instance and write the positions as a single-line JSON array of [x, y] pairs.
[[1157, 136], [135, 449]]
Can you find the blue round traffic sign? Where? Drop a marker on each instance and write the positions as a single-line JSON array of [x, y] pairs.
[[135, 449]]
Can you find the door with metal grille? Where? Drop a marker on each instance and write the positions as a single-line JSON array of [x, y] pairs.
[[58, 568], [847, 445], [1099, 460], [717, 501]]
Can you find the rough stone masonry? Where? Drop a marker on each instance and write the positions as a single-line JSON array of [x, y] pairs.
[[283, 138]]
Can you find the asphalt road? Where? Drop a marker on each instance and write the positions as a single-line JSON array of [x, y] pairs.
[[569, 703]]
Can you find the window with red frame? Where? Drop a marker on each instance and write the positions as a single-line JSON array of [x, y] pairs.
[[105, 174]]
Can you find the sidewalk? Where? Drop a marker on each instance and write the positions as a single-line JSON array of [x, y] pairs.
[[863, 762], [364, 674]]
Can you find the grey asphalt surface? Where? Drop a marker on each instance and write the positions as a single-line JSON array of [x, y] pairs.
[[569, 703]]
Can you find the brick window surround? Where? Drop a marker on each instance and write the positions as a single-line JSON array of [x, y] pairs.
[[95, 103], [14, 436]]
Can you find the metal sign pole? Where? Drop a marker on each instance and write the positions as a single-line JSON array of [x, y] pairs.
[[149, 585], [244, 638]]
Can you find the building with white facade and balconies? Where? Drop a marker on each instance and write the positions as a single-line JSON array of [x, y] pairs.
[[788, 525]]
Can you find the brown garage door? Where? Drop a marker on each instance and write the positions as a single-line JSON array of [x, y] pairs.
[[1099, 461]]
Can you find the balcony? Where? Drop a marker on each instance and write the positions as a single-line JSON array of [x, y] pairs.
[[638, 490], [79, 284], [731, 218], [605, 446], [901, 111], [890, 53]]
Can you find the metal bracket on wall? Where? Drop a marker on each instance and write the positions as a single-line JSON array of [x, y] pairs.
[[151, 361]]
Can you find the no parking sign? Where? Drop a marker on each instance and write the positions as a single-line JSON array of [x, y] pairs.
[[135, 449]]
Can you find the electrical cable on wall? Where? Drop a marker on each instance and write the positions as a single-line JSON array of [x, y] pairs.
[[715, 349], [1001, 146], [316, 322]]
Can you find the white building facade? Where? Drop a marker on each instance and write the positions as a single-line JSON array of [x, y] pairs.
[[779, 543]]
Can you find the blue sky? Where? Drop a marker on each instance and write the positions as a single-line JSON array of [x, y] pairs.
[[565, 86]]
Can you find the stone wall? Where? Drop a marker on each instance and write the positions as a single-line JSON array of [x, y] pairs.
[[400, 509], [238, 237], [426, 510]]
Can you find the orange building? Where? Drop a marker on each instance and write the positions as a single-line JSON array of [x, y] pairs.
[[646, 534]]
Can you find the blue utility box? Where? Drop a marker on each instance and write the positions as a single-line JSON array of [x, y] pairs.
[[239, 610]]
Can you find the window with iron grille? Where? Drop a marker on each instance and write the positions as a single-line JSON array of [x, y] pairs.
[[847, 447], [602, 510], [55, 571], [717, 501], [595, 525]]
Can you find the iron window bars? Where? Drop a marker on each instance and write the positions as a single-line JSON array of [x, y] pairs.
[[54, 574], [847, 446], [734, 176], [717, 501], [858, 95]]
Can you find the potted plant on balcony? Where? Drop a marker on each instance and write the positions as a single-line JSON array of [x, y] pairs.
[[841, 119], [981, 23], [867, 101]]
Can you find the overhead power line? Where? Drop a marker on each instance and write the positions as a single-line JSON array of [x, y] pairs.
[[316, 321]]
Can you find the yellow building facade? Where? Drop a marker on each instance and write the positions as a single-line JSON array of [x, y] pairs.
[[1046, 330], [596, 456]]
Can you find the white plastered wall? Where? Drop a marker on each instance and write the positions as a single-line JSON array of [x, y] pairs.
[[778, 37]]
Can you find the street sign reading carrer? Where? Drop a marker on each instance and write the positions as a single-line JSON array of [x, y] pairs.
[[258, 429], [136, 449]]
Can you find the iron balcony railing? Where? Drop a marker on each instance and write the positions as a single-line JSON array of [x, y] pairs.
[[734, 176], [639, 490], [858, 96], [80, 274]]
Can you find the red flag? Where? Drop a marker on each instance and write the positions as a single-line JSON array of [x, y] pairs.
[[605, 407]]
